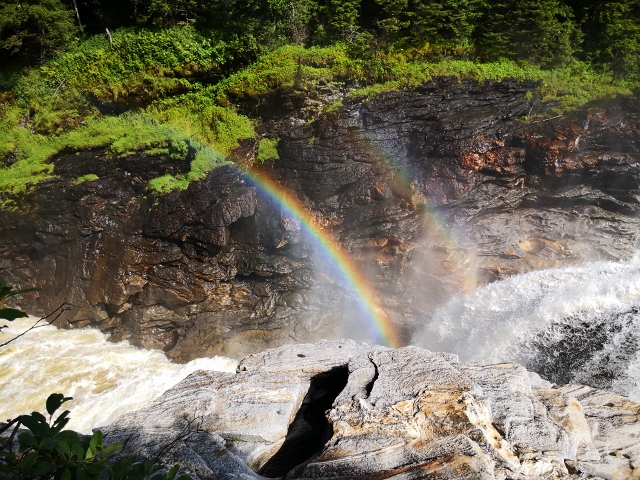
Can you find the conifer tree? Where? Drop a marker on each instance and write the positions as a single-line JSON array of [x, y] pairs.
[[36, 29], [611, 33], [538, 30], [441, 20], [344, 18]]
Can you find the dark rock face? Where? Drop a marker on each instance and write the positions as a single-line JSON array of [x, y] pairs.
[[432, 192]]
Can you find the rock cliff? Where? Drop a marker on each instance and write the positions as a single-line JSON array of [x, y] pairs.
[[347, 410], [431, 191]]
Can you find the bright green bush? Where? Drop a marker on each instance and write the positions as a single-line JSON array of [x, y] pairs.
[[55, 107], [47, 451]]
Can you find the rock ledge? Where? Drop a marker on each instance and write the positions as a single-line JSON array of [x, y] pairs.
[[348, 410]]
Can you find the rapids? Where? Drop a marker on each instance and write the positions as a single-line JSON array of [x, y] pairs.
[[105, 379], [578, 324]]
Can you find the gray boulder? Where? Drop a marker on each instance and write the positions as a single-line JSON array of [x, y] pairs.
[[347, 410]]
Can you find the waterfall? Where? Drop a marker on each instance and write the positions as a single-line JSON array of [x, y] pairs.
[[578, 324]]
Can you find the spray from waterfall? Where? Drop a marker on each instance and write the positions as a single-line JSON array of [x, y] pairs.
[[577, 324]]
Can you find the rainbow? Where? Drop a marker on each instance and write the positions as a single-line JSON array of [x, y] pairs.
[[381, 325], [463, 260]]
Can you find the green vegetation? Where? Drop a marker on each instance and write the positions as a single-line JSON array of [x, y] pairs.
[[47, 451], [36, 28], [175, 77], [90, 177], [268, 149]]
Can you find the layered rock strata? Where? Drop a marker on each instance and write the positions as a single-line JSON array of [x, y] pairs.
[[431, 192], [347, 410]]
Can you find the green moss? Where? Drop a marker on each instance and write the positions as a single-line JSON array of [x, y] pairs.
[[268, 149], [334, 106], [90, 177], [206, 159], [570, 86], [176, 135], [48, 111]]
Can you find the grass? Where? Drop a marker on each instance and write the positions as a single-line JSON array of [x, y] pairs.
[[570, 86], [121, 136], [157, 77], [268, 150], [90, 177]]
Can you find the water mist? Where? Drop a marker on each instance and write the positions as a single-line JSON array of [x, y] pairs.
[[577, 324]]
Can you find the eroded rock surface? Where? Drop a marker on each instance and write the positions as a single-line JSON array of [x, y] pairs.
[[430, 192], [346, 410]]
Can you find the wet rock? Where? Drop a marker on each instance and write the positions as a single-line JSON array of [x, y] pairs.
[[614, 424], [430, 192], [347, 410]]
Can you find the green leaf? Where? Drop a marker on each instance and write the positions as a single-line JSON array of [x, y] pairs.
[[109, 449], [96, 440], [36, 423], [27, 440], [64, 447], [11, 314], [42, 468], [61, 421], [81, 474], [171, 474], [66, 475], [54, 401], [28, 461]]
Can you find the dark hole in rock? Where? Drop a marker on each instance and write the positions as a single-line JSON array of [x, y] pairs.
[[310, 430]]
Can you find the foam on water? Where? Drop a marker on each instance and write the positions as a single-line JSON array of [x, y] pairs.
[[578, 324], [105, 379]]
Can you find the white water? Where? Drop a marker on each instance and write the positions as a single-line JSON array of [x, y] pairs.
[[579, 324], [105, 379]]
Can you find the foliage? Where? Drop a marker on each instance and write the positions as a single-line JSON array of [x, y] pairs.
[[180, 91], [206, 159], [151, 62], [416, 22], [90, 177], [268, 149], [539, 30], [7, 291], [614, 34], [37, 29], [47, 451]]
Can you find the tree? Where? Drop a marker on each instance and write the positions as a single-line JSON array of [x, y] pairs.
[[538, 30], [36, 29], [395, 15], [441, 21], [344, 16], [611, 33], [420, 22]]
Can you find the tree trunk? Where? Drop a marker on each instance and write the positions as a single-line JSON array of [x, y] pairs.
[[75, 7]]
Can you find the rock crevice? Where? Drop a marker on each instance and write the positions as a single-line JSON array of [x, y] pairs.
[[427, 416]]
